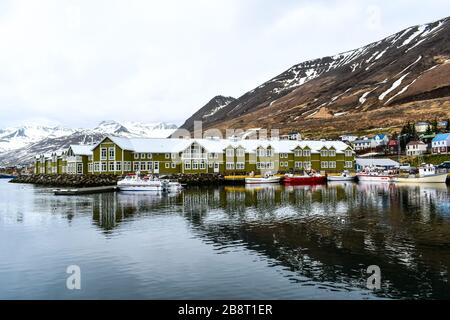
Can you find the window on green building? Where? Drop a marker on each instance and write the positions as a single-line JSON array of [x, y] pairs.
[[103, 153], [112, 153]]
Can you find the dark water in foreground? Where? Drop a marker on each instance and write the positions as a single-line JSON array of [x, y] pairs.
[[231, 243]]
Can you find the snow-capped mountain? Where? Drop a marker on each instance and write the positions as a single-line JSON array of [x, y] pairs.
[[209, 110], [19, 145], [403, 77], [136, 129], [19, 137]]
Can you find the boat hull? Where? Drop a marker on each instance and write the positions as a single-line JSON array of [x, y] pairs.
[[262, 180], [140, 188], [340, 178], [435, 178], [374, 178], [304, 180]]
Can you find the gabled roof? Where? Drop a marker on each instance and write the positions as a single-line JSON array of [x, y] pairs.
[[413, 143], [81, 150], [441, 137], [165, 145], [380, 135]]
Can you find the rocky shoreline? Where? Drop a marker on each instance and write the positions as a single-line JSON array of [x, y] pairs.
[[69, 180]]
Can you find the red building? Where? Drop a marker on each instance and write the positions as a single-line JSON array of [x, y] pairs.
[[392, 146]]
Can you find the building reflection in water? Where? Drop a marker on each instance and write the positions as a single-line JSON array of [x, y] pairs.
[[324, 234]]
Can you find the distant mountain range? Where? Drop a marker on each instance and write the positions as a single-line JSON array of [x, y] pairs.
[[403, 77], [18, 145]]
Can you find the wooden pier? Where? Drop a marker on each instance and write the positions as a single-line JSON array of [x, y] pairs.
[[78, 191]]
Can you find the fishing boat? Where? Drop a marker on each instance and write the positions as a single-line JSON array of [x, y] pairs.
[[306, 179], [374, 176], [135, 183], [345, 176], [427, 174], [262, 180]]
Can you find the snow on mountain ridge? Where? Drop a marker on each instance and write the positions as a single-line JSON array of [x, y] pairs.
[[15, 138]]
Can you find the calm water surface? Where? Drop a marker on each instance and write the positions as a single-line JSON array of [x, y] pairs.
[[228, 242]]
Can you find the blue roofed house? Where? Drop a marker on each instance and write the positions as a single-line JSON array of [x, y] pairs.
[[441, 143], [380, 140]]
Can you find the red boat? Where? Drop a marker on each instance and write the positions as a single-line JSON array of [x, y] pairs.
[[304, 180]]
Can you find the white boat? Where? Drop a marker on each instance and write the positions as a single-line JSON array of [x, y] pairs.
[[136, 183], [345, 176], [376, 177], [427, 174], [263, 180]]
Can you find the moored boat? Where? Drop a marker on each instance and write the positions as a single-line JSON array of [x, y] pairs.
[[376, 177], [306, 179], [137, 184], [262, 180], [345, 176], [427, 174]]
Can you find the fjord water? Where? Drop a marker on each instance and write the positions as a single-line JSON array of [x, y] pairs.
[[312, 242]]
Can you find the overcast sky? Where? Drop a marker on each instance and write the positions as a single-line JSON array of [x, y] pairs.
[[76, 63]]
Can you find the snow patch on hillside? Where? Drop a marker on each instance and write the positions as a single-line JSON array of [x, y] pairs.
[[394, 86]]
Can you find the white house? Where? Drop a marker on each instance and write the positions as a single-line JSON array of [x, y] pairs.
[[441, 143], [415, 148], [362, 144], [422, 126], [348, 137]]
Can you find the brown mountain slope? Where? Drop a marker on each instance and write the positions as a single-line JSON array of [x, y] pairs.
[[403, 77]]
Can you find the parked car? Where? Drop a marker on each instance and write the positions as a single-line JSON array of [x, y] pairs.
[[444, 165]]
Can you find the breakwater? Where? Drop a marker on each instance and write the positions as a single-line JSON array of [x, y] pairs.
[[68, 180], [89, 180]]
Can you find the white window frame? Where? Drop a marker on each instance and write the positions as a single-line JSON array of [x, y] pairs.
[[79, 168], [167, 155], [118, 166], [105, 155], [324, 164], [298, 164], [187, 165], [230, 166], [307, 153], [167, 165], [173, 165], [230, 153], [136, 166], [111, 166], [112, 150], [103, 167], [332, 164], [136, 156], [240, 165]]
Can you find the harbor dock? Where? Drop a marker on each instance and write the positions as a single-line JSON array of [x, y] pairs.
[[78, 191]]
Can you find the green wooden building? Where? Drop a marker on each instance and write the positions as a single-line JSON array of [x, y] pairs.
[[118, 155]]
